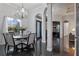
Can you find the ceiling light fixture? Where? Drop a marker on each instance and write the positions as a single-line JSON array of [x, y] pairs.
[[22, 13]]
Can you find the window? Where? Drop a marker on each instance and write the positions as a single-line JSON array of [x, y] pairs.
[[12, 24]]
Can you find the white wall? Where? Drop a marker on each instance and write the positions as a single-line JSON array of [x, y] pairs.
[[32, 19], [1, 30]]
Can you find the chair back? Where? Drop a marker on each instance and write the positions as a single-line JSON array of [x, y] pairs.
[[31, 38], [26, 32], [9, 39]]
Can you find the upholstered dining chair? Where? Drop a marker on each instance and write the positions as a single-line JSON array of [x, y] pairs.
[[25, 41], [10, 42], [31, 40], [25, 34]]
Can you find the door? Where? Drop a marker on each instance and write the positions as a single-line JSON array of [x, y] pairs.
[[39, 37], [38, 29]]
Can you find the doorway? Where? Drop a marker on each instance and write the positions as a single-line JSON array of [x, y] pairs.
[[38, 36], [69, 39], [38, 29], [56, 37]]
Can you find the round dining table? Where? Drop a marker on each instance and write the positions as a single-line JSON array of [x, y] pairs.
[[21, 37]]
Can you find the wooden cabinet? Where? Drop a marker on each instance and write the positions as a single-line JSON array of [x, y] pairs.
[[71, 40]]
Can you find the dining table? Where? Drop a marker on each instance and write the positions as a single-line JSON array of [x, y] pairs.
[[21, 37]]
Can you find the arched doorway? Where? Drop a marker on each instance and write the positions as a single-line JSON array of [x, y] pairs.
[[38, 26], [38, 18]]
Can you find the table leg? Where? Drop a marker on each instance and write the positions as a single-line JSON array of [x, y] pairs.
[[21, 42]]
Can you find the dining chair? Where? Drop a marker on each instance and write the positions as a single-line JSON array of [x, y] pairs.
[[9, 42], [26, 32], [31, 40], [25, 41]]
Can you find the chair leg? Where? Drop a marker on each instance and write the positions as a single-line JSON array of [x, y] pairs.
[[14, 50], [5, 50], [33, 46]]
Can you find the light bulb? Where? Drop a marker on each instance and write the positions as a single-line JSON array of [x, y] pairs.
[[22, 10], [73, 29]]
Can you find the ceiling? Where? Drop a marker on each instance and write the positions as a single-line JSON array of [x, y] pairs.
[[62, 8], [9, 9], [57, 8], [27, 6]]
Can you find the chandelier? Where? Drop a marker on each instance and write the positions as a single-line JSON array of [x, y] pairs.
[[22, 12]]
